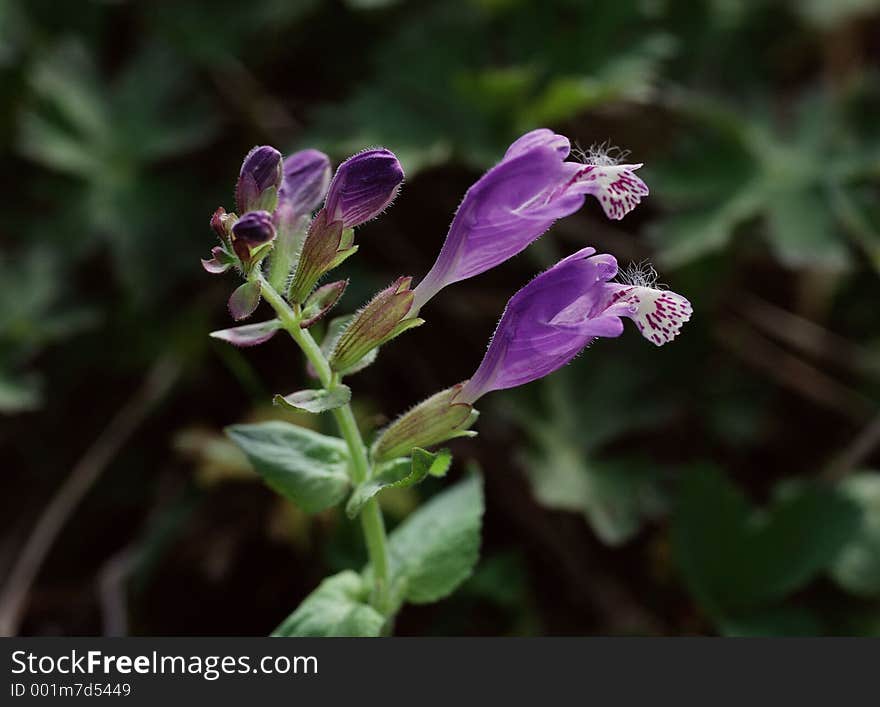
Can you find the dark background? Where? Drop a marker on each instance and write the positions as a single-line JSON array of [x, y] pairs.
[[721, 484]]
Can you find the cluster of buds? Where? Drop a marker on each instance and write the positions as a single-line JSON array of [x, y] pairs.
[[277, 199], [545, 324]]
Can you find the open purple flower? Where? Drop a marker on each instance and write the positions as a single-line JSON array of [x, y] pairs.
[[550, 320], [363, 186], [517, 200]]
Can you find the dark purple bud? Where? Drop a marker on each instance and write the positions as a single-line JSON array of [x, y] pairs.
[[306, 176], [259, 180], [254, 228], [363, 186]]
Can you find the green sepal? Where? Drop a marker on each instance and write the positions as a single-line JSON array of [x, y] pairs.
[[267, 201], [321, 301], [316, 399], [399, 473]]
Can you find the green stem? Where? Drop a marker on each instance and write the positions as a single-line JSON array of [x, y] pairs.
[[371, 515]]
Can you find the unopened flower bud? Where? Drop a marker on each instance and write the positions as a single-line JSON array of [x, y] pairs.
[[221, 224], [437, 419], [363, 186], [306, 176], [259, 180], [379, 321], [251, 231]]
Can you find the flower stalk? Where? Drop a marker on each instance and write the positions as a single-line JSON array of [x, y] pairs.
[[372, 522]]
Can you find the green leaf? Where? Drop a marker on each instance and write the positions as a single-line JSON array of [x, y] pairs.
[[316, 399], [338, 607], [436, 548], [305, 467], [433, 463], [244, 300], [802, 230], [734, 558], [399, 473], [857, 566]]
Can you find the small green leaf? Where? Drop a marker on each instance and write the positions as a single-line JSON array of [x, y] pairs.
[[436, 548], [305, 467], [433, 463], [399, 473], [316, 399], [244, 300], [338, 607]]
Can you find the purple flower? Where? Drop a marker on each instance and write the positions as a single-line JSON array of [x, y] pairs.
[[259, 179], [550, 320], [519, 199], [363, 186], [306, 176]]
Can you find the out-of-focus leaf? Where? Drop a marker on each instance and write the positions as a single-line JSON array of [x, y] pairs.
[[316, 400], [857, 566], [774, 622], [802, 230], [338, 607], [734, 558], [785, 172], [305, 467], [567, 430], [24, 394]]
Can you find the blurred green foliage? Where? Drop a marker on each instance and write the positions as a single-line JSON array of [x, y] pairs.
[[720, 484]]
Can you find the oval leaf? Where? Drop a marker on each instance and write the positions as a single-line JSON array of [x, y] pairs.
[[248, 334], [305, 467], [244, 300], [435, 549], [316, 399]]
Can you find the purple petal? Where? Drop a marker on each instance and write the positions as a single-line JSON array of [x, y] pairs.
[[542, 137], [511, 205], [363, 186], [249, 334], [260, 171], [306, 177], [244, 300], [547, 323]]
